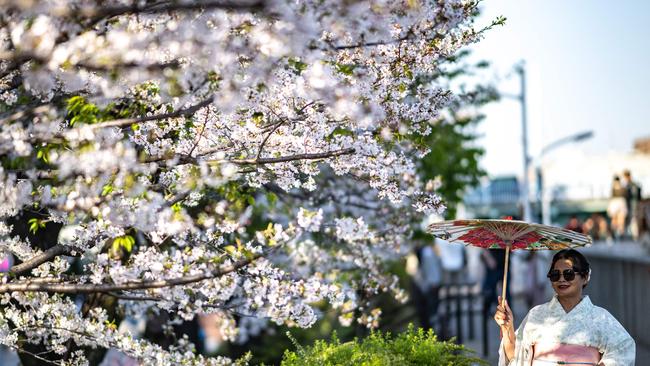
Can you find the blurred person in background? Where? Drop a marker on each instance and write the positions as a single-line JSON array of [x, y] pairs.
[[494, 261], [425, 268], [210, 333], [644, 232], [535, 277], [617, 208], [596, 227], [574, 224], [632, 198], [6, 354], [6, 261], [453, 260], [644, 223]]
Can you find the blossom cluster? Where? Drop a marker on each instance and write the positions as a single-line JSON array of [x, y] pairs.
[[161, 134]]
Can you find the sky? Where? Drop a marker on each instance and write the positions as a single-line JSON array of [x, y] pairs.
[[587, 68]]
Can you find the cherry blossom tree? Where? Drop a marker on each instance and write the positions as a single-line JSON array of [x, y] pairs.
[[231, 157]]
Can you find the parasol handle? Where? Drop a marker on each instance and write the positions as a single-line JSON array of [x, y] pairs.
[[505, 275]]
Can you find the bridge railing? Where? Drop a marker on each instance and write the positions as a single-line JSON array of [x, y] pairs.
[[620, 283], [461, 306]]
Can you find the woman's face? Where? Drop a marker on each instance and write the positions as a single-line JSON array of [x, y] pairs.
[[564, 288]]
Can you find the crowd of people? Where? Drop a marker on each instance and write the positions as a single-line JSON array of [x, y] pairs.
[[627, 219], [623, 206]]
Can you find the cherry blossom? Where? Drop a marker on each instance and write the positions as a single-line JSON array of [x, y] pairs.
[[225, 157]]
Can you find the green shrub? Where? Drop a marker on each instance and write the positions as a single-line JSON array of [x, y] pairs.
[[413, 347]]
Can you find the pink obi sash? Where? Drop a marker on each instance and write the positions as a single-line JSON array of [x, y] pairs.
[[547, 354]]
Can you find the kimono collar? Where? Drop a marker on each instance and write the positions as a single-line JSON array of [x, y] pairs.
[[584, 304]]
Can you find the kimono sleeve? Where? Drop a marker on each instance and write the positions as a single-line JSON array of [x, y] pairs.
[[618, 347], [519, 355]]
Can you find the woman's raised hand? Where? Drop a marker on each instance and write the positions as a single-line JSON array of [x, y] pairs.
[[503, 316], [505, 320]]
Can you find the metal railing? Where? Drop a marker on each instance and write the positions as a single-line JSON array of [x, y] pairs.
[[460, 304], [620, 283]]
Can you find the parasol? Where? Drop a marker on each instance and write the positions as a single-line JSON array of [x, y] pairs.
[[509, 235]]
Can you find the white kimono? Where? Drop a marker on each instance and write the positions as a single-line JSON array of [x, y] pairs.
[[585, 325]]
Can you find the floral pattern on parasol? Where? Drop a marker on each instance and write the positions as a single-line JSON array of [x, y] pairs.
[[484, 238], [502, 234]]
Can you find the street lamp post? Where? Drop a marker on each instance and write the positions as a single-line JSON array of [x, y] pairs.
[[521, 98], [524, 196], [544, 198], [525, 201]]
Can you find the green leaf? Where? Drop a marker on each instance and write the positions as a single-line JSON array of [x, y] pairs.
[[124, 241], [79, 110], [339, 131], [258, 118], [407, 71], [297, 66], [43, 153], [250, 200], [230, 249], [128, 243], [272, 198], [33, 225], [117, 243], [346, 69], [107, 189]]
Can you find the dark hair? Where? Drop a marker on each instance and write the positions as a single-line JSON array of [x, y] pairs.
[[580, 263]]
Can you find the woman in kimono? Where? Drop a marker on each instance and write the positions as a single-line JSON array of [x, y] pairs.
[[569, 329]]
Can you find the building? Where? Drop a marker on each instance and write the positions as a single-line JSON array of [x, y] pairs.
[[642, 145], [576, 183], [494, 198], [582, 184]]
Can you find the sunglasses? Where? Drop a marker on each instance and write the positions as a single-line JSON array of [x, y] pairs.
[[569, 274]]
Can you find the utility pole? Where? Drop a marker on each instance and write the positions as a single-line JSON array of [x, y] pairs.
[[544, 197], [525, 202]]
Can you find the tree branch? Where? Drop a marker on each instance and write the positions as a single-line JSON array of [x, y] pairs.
[[135, 298], [39, 259], [97, 14], [72, 288], [277, 125], [184, 159], [266, 138], [29, 111], [13, 83], [129, 121], [406, 37], [22, 57], [14, 64], [128, 65], [284, 159]]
